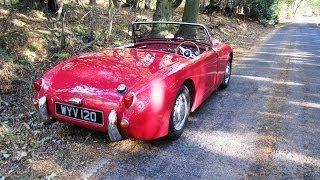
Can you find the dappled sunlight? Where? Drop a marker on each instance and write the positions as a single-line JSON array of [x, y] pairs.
[[291, 54], [257, 78], [4, 11], [23, 16], [42, 31], [296, 158], [245, 66], [225, 31], [46, 166], [18, 23], [236, 145], [38, 15], [304, 63], [275, 115], [34, 17], [141, 16], [128, 146], [94, 168], [305, 104], [31, 55], [255, 60]]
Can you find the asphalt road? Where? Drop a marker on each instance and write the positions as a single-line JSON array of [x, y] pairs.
[[266, 125]]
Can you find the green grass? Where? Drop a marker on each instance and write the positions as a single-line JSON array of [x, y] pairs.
[[23, 62], [81, 31], [61, 55]]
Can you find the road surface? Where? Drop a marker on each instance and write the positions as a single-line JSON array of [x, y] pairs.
[[266, 125]]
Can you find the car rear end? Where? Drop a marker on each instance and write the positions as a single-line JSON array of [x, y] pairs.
[[99, 112]]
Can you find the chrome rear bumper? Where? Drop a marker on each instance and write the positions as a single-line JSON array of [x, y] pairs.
[[43, 111], [113, 130]]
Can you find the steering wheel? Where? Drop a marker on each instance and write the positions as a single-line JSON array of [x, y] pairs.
[[187, 52]]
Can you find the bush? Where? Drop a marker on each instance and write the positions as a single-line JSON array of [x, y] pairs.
[[260, 9]]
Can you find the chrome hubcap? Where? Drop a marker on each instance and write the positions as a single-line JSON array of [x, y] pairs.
[[227, 73], [180, 112]]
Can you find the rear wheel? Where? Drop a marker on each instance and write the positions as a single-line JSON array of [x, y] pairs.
[[179, 114], [227, 76]]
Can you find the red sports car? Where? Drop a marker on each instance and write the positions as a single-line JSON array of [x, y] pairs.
[[145, 90]]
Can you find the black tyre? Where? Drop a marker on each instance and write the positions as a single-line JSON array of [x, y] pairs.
[[180, 114], [227, 76]]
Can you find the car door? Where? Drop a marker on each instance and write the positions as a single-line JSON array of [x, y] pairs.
[[206, 69], [211, 66], [222, 61]]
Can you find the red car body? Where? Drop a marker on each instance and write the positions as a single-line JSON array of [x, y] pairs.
[[153, 78]]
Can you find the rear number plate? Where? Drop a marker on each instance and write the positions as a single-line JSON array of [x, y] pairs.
[[79, 113]]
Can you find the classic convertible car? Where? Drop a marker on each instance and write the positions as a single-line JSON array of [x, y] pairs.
[[145, 90]]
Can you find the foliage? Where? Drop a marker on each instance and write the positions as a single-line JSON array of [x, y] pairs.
[[5, 55], [61, 55], [261, 9]]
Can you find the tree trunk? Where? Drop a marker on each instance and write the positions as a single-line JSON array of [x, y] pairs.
[[132, 3], [213, 6], [176, 3], [297, 4], [163, 13], [163, 10], [229, 9], [147, 4], [32, 4], [116, 3], [191, 11], [51, 5], [202, 6], [190, 14]]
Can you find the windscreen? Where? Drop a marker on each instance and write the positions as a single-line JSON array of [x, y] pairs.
[[170, 31]]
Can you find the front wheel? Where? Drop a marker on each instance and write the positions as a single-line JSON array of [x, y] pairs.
[[179, 114], [227, 76]]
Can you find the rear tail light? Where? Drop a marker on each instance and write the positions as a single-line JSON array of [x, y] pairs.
[[124, 123], [37, 84], [128, 100]]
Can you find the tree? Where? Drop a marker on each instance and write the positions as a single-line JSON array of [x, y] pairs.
[[163, 10], [191, 11], [147, 4], [176, 3], [116, 3], [163, 13], [132, 3], [190, 14], [213, 6], [93, 2], [51, 5]]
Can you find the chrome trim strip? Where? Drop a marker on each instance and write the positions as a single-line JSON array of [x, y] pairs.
[[126, 46]]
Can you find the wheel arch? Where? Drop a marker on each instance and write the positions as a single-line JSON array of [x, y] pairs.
[[231, 56], [191, 87]]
